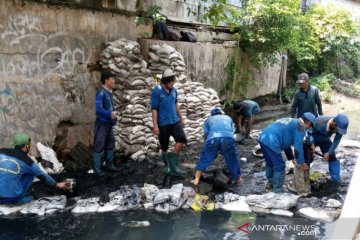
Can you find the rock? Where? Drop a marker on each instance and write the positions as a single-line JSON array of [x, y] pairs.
[[273, 200]]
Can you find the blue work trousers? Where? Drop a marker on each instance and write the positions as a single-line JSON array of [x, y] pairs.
[[226, 146], [26, 182], [334, 164]]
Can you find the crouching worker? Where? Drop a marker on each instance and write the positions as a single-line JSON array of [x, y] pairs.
[[278, 137], [325, 127], [245, 113], [17, 172], [219, 133]]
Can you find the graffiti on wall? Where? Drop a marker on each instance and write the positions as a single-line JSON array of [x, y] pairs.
[[40, 72]]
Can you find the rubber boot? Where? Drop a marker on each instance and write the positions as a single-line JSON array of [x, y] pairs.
[[173, 160], [97, 164], [109, 161], [166, 163], [269, 176], [278, 181]]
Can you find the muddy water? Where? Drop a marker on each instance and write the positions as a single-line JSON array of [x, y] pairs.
[[183, 224]]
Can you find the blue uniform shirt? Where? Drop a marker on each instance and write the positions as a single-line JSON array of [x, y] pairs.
[[322, 135], [165, 104], [306, 102], [218, 126], [253, 108], [104, 106], [283, 133], [14, 164]]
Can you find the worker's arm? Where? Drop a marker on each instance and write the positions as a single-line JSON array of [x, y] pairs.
[[180, 115], [335, 143], [318, 102], [100, 110], [35, 170], [298, 145], [238, 122], [154, 99], [294, 106]]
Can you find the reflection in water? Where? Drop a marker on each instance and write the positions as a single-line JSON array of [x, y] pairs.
[[178, 225]]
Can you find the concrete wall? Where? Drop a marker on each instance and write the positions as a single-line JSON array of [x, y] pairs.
[[46, 59], [206, 63], [49, 74]]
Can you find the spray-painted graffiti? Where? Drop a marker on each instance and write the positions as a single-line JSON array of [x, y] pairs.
[[61, 53], [40, 73]]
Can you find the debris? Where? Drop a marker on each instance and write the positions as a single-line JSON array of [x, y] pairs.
[[86, 205], [238, 206], [45, 205], [49, 155], [257, 151], [319, 214], [136, 224], [281, 212], [273, 200]]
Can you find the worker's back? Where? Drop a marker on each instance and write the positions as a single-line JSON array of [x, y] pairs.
[[219, 126]]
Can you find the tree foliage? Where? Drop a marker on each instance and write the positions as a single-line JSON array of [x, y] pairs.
[[317, 40]]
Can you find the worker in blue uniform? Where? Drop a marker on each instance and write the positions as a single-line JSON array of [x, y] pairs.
[[219, 133], [306, 98], [324, 128], [104, 140], [168, 121], [18, 170], [278, 137], [245, 113]]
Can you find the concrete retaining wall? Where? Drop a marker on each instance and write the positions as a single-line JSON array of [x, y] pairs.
[[206, 63]]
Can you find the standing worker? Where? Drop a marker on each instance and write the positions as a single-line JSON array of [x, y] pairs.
[[168, 121], [18, 170], [324, 128], [306, 98], [105, 120], [219, 133], [245, 112], [278, 137]]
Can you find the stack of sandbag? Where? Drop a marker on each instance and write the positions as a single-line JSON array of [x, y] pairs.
[[195, 101], [133, 132]]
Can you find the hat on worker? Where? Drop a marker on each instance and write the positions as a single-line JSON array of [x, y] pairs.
[[303, 77], [342, 122], [168, 76], [216, 111], [310, 117], [21, 139]]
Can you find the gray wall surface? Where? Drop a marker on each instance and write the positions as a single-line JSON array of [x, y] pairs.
[[48, 73], [46, 54]]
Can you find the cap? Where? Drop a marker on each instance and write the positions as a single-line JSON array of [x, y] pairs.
[[168, 73], [310, 117], [106, 75], [216, 111], [21, 139], [302, 78], [168, 76], [342, 123]]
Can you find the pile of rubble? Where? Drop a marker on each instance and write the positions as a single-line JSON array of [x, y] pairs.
[[134, 83]]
